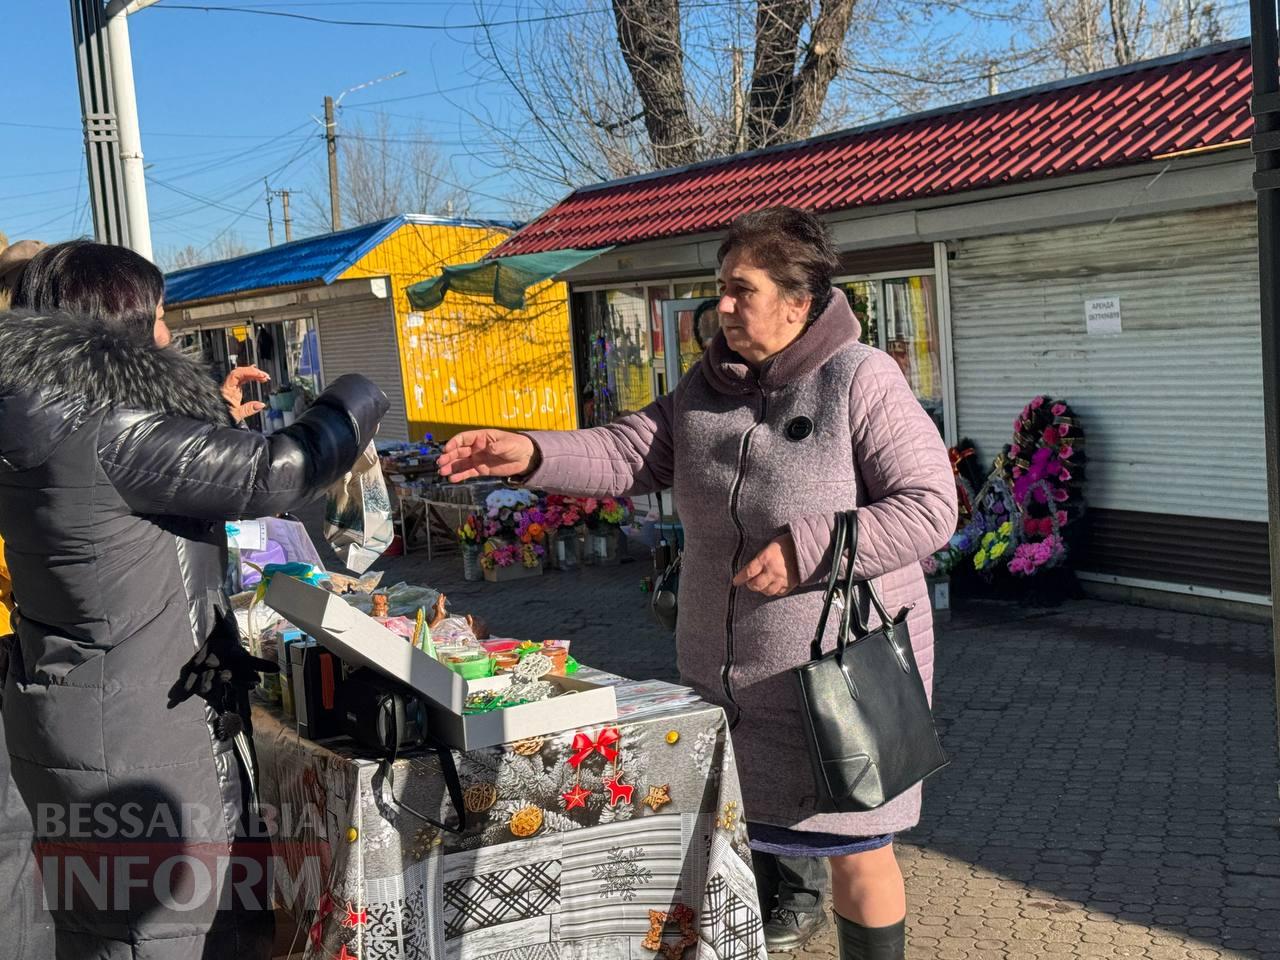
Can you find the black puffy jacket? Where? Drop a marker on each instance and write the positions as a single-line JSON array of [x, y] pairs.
[[118, 469]]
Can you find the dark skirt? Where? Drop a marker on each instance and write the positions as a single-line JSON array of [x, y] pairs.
[[785, 842]]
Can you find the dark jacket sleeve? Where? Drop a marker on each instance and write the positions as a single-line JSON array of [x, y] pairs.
[[167, 465]]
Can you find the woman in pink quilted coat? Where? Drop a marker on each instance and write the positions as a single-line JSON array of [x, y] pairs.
[[787, 420]]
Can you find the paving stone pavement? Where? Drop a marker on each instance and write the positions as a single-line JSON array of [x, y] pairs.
[[1112, 791]]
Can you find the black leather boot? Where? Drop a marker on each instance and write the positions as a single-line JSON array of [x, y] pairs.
[[787, 931], [871, 943]]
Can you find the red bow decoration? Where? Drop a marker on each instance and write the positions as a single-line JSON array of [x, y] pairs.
[[584, 746]]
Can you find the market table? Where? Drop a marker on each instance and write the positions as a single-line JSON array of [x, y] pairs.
[[607, 843]]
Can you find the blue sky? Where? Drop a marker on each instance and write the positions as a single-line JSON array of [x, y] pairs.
[[225, 99]]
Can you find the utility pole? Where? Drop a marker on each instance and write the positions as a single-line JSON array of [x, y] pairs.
[[331, 141], [739, 105], [271, 227], [1266, 181], [288, 224], [331, 138], [993, 82]]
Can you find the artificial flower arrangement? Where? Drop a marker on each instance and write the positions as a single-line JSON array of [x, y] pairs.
[[607, 512], [469, 532], [513, 526], [562, 511], [1020, 518], [498, 553]]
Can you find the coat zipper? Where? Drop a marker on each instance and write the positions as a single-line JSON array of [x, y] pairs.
[[744, 450]]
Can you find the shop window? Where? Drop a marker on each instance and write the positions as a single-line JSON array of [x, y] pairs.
[[699, 290], [614, 353], [899, 314]]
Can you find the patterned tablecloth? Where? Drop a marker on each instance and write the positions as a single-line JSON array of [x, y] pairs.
[[623, 842]]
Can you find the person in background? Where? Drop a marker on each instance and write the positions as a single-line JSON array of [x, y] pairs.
[[785, 422], [126, 696], [29, 926]]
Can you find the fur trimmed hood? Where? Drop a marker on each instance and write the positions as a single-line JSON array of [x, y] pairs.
[[57, 370]]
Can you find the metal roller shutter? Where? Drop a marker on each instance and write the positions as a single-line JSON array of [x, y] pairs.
[[358, 336], [1171, 406]]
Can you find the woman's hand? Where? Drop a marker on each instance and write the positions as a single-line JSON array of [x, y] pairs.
[[486, 453], [233, 392], [774, 571]]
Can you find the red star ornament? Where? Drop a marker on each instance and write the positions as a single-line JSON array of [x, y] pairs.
[[619, 792], [345, 954], [355, 918], [577, 797]]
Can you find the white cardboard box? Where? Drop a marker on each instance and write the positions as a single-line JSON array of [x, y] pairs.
[[360, 640]]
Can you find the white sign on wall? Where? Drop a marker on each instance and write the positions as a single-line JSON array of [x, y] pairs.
[[1102, 316]]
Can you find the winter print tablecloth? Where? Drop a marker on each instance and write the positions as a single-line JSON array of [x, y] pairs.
[[621, 842]]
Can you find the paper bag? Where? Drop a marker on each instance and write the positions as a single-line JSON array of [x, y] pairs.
[[357, 516]]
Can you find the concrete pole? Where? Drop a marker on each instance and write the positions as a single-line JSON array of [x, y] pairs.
[[288, 224], [126, 104]]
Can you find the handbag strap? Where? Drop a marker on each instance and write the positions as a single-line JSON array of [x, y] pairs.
[[853, 624], [854, 585], [838, 537]]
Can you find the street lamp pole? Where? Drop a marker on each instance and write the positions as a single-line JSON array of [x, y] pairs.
[[1266, 181]]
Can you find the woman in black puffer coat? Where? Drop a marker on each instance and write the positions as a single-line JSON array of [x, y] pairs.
[[118, 467]]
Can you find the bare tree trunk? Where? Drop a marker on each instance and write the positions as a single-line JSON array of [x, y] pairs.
[[1125, 25], [778, 26], [821, 63], [649, 36]]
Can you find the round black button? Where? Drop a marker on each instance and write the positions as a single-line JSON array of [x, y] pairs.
[[799, 428]]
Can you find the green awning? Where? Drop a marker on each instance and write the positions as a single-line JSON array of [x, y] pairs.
[[505, 279]]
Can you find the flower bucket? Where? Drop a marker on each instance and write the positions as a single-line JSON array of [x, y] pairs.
[[564, 551], [471, 569], [940, 597], [602, 546], [583, 536]]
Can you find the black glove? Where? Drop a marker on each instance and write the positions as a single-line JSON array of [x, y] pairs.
[[221, 673]]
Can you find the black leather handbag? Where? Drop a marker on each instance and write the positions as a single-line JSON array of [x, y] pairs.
[[867, 720]]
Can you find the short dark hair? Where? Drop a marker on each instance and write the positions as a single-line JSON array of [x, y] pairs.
[[792, 246], [98, 280]]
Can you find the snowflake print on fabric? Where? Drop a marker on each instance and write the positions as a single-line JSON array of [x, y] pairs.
[[704, 751], [622, 873]]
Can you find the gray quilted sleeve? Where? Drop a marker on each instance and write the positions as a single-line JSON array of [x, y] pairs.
[[631, 456], [908, 506]]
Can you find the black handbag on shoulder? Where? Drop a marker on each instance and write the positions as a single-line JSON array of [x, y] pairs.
[[867, 719]]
